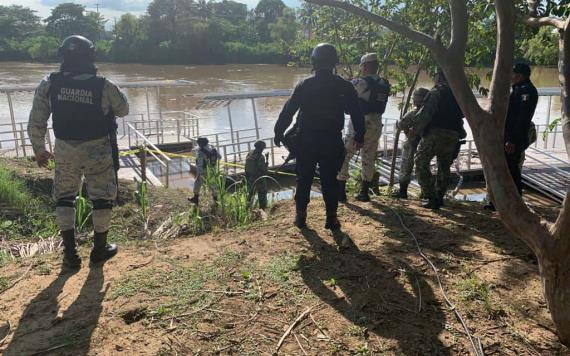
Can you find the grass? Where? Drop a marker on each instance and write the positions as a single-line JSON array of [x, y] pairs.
[[12, 190]]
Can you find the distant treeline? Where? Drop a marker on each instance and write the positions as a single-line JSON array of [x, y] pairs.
[[213, 32]]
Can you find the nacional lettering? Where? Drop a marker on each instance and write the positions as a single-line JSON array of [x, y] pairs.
[[81, 96]]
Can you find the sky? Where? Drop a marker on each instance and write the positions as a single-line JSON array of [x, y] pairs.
[[109, 8]]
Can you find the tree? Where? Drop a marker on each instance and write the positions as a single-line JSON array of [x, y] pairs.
[[232, 11], [267, 12], [69, 19], [284, 31], [549, 242], [542, 48], [18, 22]]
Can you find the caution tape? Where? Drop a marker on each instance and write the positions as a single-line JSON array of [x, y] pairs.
[[186, 156]]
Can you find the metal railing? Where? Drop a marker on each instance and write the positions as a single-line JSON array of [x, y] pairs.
[[154, 151]]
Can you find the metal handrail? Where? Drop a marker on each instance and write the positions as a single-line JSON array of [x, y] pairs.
[[155, 150]]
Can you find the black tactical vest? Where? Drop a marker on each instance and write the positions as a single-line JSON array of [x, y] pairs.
[[448, 115], [379, 93], [76, 107]]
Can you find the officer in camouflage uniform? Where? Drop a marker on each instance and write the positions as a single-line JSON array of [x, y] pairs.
[[82, 106], [255, 167], [373, 93], [410, 145], [440, 125], [207, 157]]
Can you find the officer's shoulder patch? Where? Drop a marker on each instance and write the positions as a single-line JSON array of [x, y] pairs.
[[525, 97]]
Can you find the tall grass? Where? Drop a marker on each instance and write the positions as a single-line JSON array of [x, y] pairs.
[[83, 209], [12, 190]]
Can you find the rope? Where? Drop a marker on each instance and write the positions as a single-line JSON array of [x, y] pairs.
[[477, 346]]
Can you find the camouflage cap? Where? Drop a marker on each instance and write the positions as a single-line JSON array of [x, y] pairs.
[[368, 58]]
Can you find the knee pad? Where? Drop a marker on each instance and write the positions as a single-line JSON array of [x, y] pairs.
[[66, 202], [101, 204]]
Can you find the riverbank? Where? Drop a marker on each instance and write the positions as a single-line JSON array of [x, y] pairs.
[[239, 290]]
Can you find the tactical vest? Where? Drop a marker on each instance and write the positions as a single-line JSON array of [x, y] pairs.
[[379, 93], [76, 108], [448, 115], [211, 155]]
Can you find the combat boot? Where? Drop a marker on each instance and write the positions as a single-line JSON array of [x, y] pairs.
[[194, 199], [432, 203], [332, 222], [402, 193], [363, 195], [70, 257], [342, 191], [101, 250], [489, 206], [301, 219]]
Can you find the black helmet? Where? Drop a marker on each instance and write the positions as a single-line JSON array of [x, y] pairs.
[[77, 48], [324, 56], [522, 68], [260, 145], [202, 141]]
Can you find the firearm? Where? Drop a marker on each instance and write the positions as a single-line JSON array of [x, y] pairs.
[[112, 126], [458, 148]]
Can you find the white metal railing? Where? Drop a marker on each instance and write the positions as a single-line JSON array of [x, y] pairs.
[[154, 151]]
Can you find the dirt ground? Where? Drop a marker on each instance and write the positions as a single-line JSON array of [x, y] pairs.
[[238, 292]]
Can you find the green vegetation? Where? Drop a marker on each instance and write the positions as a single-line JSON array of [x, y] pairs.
[[12, 190], [215, 32]]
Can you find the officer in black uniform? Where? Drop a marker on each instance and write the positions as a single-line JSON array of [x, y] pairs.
[[322, 101], [522, 104]]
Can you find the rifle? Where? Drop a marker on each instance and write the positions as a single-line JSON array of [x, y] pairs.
[[113, 127]]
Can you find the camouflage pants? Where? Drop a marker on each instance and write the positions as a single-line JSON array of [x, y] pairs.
[[407, 165], [368, 151], [199, 182], [92, 160], [441, 144], [259, 186]]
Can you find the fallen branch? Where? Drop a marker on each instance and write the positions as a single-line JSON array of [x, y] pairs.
[[133, 267], [17, 280], [7, 334], [292, 326], [299, 343]]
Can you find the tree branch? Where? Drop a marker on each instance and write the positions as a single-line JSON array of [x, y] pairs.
[[499, 90], [459, 27], [403, 30], [542, 21]]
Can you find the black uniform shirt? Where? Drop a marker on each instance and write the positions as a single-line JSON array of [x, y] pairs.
[[522, 104], [322, 100]]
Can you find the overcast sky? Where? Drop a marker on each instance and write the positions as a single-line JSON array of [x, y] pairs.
[[108, 8]]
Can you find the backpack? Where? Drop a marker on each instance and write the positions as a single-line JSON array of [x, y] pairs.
[[212, 156]]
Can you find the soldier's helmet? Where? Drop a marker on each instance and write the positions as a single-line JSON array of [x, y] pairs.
[[259, 145], [419, 94], [522, 68], [202, 141], [77, 48], [324, 56]]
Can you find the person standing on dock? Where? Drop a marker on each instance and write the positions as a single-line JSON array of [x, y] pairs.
[[83, 108], [440, 125], [411, 143], [373, 93], [518, 125], [207, 159], [321, 101], [256, 165]]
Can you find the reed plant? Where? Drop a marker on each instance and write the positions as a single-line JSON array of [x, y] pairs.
[[83, 209]]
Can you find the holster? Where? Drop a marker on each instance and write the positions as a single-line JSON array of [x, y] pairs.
[[112, 127]]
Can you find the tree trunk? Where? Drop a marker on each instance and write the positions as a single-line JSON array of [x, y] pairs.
[[564, 75]]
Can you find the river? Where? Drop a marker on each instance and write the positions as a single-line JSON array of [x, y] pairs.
[[213, 79]]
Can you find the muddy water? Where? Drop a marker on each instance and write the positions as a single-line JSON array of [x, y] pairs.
[[212, 79]]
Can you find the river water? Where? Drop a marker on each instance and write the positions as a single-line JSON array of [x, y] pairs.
[[213, 79]]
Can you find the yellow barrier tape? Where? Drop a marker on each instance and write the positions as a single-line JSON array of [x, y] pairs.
[[179, 155]]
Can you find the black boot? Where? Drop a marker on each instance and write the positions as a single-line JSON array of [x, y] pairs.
[[432, 203], [70, 257], [363, 195], [489, 206], [194, 199], [342, 191], [332, 222], [101, 250], [402, 193], [301, 219]]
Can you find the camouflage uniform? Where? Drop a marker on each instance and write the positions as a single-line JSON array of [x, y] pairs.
[[439, 122], [256, 167], [373, 124], [202, 166], [74, 159], [409, 148]]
